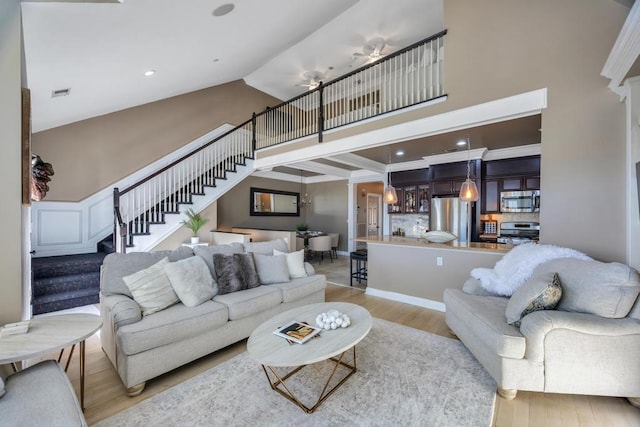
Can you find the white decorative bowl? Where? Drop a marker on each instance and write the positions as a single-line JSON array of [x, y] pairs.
[[439, 236]]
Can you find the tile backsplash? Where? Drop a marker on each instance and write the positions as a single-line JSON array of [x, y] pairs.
[[413, 224]]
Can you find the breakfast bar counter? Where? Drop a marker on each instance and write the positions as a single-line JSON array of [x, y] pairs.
[[422, 242], [415, 271]]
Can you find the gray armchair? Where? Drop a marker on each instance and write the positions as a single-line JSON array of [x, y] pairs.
[[588, 345]]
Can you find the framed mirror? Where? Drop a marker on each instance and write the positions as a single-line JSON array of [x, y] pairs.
[[265, 202]]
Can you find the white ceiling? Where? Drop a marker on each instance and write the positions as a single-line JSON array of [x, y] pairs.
[[101, 49]]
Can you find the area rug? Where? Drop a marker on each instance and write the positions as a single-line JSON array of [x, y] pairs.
[[405, 377]]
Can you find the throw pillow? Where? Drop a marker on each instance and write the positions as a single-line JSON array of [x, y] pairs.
[[235, 272], [295, 261], [207, 252], [606, 289], [271, 268], [1, 387], [191, 280], [151, 288], [541, 292]]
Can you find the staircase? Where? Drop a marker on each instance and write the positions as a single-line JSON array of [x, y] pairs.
[[66, 281]]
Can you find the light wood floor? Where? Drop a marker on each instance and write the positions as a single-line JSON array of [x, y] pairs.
[[105, 395]]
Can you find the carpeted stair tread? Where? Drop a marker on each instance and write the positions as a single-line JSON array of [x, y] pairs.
[[41, 307], [66, 264], [64, 296], [71, 282], [66, 281]]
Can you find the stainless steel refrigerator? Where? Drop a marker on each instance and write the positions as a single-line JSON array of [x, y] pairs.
[[449, 214]]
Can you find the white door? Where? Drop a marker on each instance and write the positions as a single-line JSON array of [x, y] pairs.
[[374, 215]]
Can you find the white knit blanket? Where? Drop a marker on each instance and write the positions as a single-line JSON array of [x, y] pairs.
[[518, 264]]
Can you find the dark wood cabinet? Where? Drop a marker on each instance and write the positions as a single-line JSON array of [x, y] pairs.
[[410, 199], [424, 198], [517, 174], [491, 196]]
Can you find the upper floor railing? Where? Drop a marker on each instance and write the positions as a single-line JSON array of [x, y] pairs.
[[407, 77]]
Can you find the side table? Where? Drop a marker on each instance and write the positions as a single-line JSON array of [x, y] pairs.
[[49, 334]]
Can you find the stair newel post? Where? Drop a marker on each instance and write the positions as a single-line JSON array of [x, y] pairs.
[[119, 227], [116, 209], [254, 142], [320, 111]]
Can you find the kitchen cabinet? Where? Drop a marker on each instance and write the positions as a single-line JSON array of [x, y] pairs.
[[516, 174], [424, 199], [410, 199], [491, 196], [491, 189], [443, 188]]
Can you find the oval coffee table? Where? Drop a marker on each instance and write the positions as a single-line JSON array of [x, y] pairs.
[[272, 351]]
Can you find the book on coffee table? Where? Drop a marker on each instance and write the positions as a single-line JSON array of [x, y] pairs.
[[298, 332]]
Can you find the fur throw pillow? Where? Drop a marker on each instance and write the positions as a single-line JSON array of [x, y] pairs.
[[235, 272]]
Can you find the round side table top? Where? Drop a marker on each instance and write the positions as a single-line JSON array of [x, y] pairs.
[[47, 334], [271, 350]]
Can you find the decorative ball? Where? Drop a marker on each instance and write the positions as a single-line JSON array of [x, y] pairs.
[[332, 319]]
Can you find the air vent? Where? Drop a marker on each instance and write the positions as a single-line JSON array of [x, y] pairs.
[[60, 92]]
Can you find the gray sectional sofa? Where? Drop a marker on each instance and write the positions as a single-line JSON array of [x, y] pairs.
[[143, 347], [588, 344]]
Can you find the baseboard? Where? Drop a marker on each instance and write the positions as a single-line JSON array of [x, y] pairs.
[[408, 299]]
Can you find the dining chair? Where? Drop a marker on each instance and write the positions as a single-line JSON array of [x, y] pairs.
[[320, 244], [335, 240]]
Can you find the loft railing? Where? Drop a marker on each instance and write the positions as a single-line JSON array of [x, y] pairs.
[[410, 76]]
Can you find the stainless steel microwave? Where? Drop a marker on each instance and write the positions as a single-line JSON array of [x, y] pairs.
[[520, 201]]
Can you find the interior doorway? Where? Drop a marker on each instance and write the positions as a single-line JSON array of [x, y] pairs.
[[368, 211], [374, 215]]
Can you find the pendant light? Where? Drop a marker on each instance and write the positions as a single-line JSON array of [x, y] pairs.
[[469, 190], [306, 199], [390, 196]]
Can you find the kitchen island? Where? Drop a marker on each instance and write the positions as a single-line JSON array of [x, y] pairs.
[[415, 271]]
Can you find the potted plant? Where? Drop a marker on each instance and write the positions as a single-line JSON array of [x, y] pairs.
[[302, 227], [194, 222]]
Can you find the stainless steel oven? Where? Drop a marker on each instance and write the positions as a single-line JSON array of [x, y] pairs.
[[520, 201]]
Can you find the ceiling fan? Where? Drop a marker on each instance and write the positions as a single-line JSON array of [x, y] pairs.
[[312, 79], [372, 49]]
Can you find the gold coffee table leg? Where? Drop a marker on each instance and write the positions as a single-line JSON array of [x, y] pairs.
[[325, 393]]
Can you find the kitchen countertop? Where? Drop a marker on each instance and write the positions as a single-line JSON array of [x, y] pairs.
[[422, 242]]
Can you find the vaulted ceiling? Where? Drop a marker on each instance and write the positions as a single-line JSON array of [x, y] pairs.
[[100, 50]]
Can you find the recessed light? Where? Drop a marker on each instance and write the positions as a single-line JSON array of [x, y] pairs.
[[400, 153], [461, 143], [224, 9], [149, 73]]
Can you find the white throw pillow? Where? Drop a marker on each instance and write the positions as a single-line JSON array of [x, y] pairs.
[[295, 261], [271, 268], [151, 288], [191, 280]]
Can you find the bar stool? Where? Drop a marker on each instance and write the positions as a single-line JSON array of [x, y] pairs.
[[360, 258]]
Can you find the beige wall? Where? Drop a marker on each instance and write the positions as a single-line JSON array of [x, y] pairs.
[[413, 271], [233, 207], [506, 47], [10, 162], [92, 154], [329, 209]]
